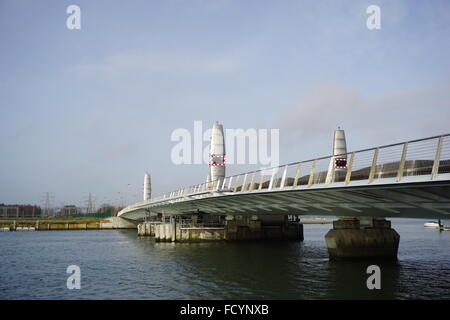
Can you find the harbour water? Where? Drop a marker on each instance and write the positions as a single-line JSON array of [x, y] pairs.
[[117, 264]]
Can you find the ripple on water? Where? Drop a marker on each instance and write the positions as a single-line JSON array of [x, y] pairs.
[[119, 265]]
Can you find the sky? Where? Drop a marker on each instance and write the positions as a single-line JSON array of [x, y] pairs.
[[91, 110]]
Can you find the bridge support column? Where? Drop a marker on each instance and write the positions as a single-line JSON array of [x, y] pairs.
[[173, 236], [263, 228], [349, 239], [157, 232]]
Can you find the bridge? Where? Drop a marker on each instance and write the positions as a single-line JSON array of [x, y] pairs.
[[410, 179]]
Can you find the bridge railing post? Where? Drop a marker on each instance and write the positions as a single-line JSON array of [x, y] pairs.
[[224, 182], [311, 173], [437, 159], [218, 184], [252, 181], [374, 165], [230, 182], [297, 176], [236, 184], [272, 177], [244, 183], [401, 165], [349, 169], [331, 171], [283, 178], [261, 180]]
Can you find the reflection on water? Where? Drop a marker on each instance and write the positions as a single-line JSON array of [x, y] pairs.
[[119, 265]]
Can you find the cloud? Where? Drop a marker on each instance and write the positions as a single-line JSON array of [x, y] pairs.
[[388, 118], [162, 65], [115, 152]]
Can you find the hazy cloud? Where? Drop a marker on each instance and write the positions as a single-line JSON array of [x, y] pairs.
[[158, 64], [92, 110], [412, 113], [121, 151]]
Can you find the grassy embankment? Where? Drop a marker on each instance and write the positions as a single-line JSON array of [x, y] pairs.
[[57, 220]]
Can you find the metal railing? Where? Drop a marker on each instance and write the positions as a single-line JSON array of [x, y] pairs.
[[201, 222], [423, 157]]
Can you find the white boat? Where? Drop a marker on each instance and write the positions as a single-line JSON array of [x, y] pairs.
[[4, 229], [431, 224], [25, 229]]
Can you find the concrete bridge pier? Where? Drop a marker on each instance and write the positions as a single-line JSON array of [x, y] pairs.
[[157, 233], [173, 225], [148, 228], [233, 228], [362, 238], [268, 227]]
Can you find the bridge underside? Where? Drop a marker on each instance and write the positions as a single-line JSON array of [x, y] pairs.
[[429, 200]]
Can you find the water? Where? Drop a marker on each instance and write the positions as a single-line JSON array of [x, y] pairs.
[[119, 265]]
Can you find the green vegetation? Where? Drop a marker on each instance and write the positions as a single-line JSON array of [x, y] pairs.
[[7, 222], [78, 218]]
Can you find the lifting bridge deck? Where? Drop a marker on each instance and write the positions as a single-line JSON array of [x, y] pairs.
[[409, 179]]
